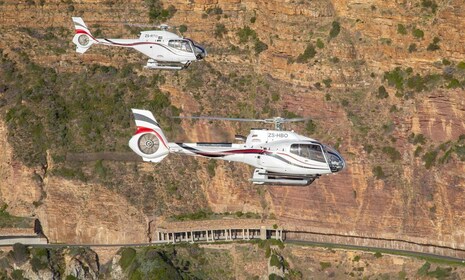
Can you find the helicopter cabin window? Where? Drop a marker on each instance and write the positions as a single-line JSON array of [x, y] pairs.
[[309, 151], [181, 45]]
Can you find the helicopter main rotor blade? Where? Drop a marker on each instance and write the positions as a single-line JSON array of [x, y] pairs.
[[220, 119], [296, 120]]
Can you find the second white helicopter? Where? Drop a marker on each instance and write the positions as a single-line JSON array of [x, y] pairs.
[[280, 157], [166, 50]]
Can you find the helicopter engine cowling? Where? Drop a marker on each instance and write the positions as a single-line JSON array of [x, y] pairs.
[[149, 145]]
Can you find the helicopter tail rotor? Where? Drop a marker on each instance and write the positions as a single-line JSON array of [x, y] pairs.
[[83, 38], [149, 141]]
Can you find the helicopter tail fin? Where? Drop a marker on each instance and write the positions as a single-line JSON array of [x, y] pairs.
[[149, 142], [83, 38]]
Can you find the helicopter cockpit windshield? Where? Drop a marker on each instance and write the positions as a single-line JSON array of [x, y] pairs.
[[182, 45], [309, 151], [335, 160]]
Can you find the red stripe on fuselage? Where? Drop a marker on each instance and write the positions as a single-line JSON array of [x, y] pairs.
[[81, 31]]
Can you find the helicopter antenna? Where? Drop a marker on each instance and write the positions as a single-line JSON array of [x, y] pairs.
[[277, 121]]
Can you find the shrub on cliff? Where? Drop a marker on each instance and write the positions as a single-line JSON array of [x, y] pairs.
[[382, 93], [429, 4], [245, 34], [260, 47], [220, 30], [429, 158], [157, 13], [182, 28], [401, 29], [418, 33], [378, 172], [309, 53], [20, 253], [434, 46], [335, 29], [393, 154]]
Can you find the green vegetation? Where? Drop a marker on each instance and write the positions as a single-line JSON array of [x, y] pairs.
[[320, 44], [382, 93], [209, 215], [393, 154], [245, 34], [157, 13], [220, 30], [27, 135], [434, 46], [325, 265], [309, 53], [426, 257], [253, 19], [423, 270], [9, 221], [274, 276], [429, 158], [418, 151], [461, 65], [199, 215], [429, 4], [17, 274], [335, 30], [417, 139], [356, 258], [127, 257], [260, 47], [310, 127], [100, 169], [20, 253], [412, 48], [76, 112], [405, 79], [39, 259], [378, 255], [274, 261], [378, 172], [395, 78], [211, 168], [182, 28], [327, 82], [418, 33], [401, 29], [214, 11]]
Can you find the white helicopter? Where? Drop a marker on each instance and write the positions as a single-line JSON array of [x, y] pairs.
[[280, 157], [165, 49]]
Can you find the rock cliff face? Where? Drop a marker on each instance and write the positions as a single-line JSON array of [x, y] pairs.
[[399, 129]]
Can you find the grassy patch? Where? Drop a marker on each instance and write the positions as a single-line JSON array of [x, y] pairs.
[[127, 257], [9, 221]]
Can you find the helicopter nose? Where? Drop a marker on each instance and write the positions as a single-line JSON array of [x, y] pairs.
[[335, 160], [200, 52]]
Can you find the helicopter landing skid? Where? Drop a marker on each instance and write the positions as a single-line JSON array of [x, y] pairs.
[[153, 64], [262, 177]]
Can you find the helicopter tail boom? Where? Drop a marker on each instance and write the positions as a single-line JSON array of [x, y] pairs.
[[149, 142]]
